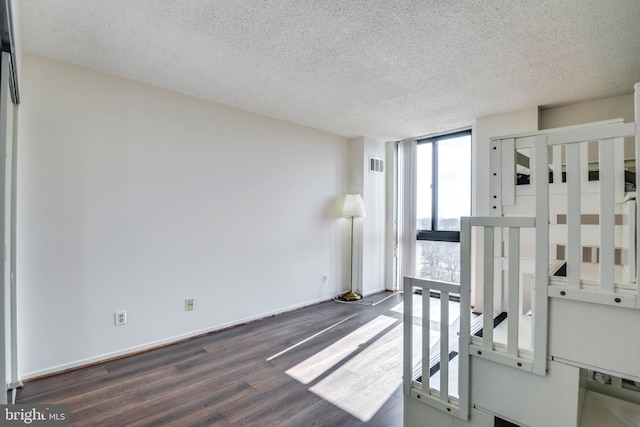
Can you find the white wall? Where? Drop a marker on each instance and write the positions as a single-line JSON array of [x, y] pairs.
[[391, 260], [370, 239], [133, 197], [375, 188], [614, 107]]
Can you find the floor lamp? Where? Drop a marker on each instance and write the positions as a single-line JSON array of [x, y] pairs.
[[353, 207]]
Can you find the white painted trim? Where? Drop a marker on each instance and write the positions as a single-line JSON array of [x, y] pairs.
[[407, 327], [541, 307], [431, 284], [4, 328], [488, 221], [375, 291], [508, 171], [557, 163], [636, 103], [513, 285], [465, 319], [558, 129], [392, 279], [595, 297], [591, 134], [488, 284], [574, 252], [15, 379], [593, 368], [426, 340], [495, 179], [618, 170], [444, 347], [501, 357], [436, 402], [607, 215]]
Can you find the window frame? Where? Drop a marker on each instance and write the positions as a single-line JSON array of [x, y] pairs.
[[434, 234]]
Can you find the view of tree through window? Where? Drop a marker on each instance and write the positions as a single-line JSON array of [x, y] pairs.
[[443, 196]]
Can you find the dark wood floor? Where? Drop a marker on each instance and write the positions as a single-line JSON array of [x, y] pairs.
[[330, 364]]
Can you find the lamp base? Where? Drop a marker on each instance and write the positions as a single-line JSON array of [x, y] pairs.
[[350, 296]]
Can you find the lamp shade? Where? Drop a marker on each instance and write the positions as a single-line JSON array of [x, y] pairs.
[[353, 206]]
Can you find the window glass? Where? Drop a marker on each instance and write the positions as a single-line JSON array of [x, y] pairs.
[[454, 182], [438, 260], [424, 194]]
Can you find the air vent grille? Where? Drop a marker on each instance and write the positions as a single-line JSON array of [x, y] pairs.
[[376, 165]]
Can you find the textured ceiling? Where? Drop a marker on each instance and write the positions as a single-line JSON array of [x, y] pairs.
[[387, 69]]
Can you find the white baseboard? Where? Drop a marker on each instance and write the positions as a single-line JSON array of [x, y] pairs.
[[375, 291], [162, 342]]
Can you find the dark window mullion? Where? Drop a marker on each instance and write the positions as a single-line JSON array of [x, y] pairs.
[[434, 185], [439, 236]]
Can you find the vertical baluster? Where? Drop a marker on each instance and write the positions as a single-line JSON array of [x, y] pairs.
[[508, 170], [444, 346], [513, 317], [619, 176], [541, 306], [426, 339], [636, 101], [465, 317], [557, 164], [584, 163], [487, 327], [407, 372], [574, 251], [607, 216]]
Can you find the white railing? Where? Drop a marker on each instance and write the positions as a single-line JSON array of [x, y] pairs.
[[495, 284], [602, 282], [604, 289], [417, 382]]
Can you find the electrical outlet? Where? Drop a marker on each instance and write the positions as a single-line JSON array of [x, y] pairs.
[[325, 278], [190, 304], [121, 318]]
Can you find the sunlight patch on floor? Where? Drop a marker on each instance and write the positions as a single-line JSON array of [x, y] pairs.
[[361, 371], [316, 365], [363, 384], [298, 344], [398, 308]]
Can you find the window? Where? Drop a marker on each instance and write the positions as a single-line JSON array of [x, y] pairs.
[[443, 196]]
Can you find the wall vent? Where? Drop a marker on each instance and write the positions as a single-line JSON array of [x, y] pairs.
[[376, 165]]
